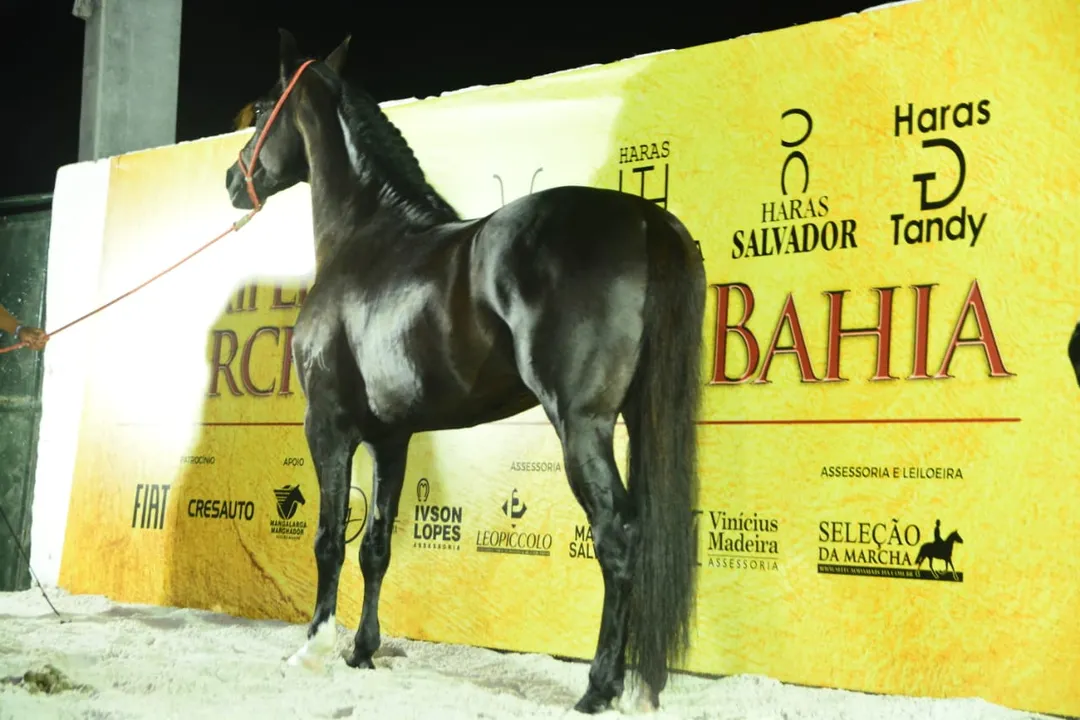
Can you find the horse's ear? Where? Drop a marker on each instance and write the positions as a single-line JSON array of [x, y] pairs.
[[336, 59], [289, 55]]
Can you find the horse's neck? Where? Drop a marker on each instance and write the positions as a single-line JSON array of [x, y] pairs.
[[344, 194], [347, 193]]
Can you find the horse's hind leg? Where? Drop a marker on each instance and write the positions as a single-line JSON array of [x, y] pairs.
[[332, 442], [389, 459], [582, 401], [594, 478]]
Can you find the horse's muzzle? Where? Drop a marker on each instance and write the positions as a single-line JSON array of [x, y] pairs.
[[238, 194]]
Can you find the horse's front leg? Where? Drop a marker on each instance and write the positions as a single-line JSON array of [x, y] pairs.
[[332, 442], [389, 458]]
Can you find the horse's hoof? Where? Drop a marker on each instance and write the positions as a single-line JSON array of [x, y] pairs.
[[318, 647], [360, 662], [307, 659], [648, 703], [593, 702]]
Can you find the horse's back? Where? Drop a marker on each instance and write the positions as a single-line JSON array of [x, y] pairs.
[[559, 217], [566, 270], [570, 241]]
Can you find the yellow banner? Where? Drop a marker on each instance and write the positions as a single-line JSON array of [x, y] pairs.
[[886, 207]]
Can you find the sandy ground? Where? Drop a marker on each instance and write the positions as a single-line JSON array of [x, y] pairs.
[[149, 662]]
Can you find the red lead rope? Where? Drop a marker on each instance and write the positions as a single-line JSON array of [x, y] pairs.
[[235, 226], [249, 171]]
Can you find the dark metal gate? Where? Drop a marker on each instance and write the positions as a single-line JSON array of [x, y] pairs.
[[24, 253]]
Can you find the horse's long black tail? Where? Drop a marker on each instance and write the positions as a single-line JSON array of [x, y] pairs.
[[662, 459]]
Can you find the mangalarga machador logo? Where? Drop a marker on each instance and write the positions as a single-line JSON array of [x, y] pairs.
[[887, 550], [288, 499]]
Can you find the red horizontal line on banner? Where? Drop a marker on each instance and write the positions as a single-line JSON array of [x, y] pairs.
[[826, 421], [793, 421], [867, 421]]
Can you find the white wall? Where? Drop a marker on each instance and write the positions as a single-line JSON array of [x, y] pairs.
[[75, 243]]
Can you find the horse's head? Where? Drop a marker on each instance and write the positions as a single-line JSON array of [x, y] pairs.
[[954, 536], [274, 158]]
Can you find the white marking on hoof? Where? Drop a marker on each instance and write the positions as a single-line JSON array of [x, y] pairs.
[[642, 702], [645, 706], [318, 648]]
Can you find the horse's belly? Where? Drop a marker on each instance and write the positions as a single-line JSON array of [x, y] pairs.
[[431, 359], [401, 393]]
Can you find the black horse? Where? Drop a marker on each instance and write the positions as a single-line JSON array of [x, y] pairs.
[[588, 302]]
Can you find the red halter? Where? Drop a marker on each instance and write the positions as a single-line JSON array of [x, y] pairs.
[[249, 171]]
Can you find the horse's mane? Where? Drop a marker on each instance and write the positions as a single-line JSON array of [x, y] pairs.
[[393, 161]]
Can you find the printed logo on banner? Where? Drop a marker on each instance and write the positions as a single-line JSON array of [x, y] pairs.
[[737, 541], [514, 508], [798, 220], [233, 357], [933, 223], [288, 500], [502, 186], [887, 550], [356, 514], [149, 505], [218, 509], [582, 547], [798, 224], [423, 490], [435, 527], [757, 363], [514, 541], [648, 161]]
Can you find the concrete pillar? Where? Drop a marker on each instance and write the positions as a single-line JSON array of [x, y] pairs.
[[131, 66]]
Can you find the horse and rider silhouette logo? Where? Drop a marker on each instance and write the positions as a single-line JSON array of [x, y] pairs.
[[289, 499], [939, 549]]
